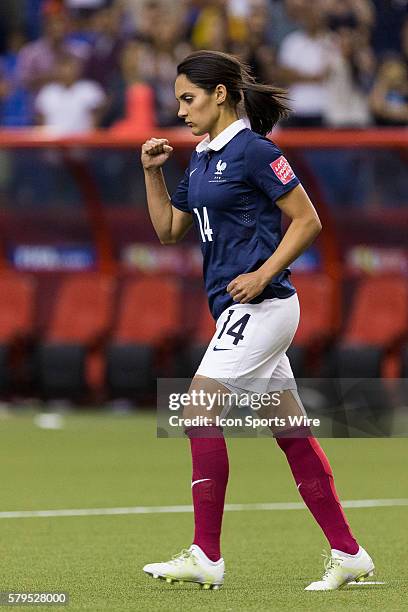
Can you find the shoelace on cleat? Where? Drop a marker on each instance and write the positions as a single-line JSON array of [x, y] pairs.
[[183, 556], [329, 564]]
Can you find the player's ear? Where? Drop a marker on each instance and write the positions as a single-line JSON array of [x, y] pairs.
[[220, 94]]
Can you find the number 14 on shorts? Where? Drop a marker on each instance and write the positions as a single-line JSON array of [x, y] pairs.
[[233, 328]]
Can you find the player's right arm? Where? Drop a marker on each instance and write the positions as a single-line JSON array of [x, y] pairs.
[[170, 224]]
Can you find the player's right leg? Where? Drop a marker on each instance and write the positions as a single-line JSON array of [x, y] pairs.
[[190, 565], [202, 562]]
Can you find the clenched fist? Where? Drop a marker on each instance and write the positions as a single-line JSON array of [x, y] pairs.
[[155, 152]]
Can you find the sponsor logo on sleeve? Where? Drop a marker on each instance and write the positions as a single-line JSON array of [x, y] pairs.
[[282, 169]]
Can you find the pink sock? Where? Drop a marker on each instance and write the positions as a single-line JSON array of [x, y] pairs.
[[314, 479], [209, 482]]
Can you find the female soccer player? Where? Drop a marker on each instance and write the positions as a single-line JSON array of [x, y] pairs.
[[234, 190]]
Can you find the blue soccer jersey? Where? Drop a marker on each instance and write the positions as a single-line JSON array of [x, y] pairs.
[[231, 187]]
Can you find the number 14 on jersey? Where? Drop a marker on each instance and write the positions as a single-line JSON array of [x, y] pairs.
[[204, 224]]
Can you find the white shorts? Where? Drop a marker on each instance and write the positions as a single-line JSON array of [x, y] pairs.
[[248, 349]]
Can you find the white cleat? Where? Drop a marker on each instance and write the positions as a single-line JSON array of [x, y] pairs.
[[341, 568], [191, 565]]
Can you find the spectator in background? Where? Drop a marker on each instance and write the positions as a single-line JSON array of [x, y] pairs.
[[135, 97], [81, 20], [217, 15], [15, 108], [284, 19], [389, 105], [255, 50], [390, 17], [215, 32], [37, 60], [85, 4], [350, 77], [303, 60], [355, 14], [14, 43], [104, 58], [404, 41], [159, 66], [70, 105], [4, 87], [11, 19], [146, 16], [352, 62], [103, 62], [33, 18], [389, 97]]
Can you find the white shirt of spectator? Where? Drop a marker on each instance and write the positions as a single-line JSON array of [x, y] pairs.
[[68, 110], [85, 4], [347, 103], [308, 56]]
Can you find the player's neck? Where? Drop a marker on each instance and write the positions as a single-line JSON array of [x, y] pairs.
[[223, 122]]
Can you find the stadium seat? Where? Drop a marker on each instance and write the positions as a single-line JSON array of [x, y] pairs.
[[403, 374], [375, 330], [404, 368], [16, 322], [147, 326], [317, 327], [16, 306], [79, 324], [377, 325]]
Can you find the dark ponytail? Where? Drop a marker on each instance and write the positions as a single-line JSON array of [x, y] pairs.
[[264, 105]]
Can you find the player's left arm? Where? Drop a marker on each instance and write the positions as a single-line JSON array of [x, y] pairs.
[[304, 227]]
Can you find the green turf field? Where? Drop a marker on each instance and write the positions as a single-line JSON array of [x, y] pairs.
[[107, 461]]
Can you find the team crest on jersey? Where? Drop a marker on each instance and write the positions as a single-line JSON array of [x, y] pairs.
[[218, 176], [282, 169], [220, 167]]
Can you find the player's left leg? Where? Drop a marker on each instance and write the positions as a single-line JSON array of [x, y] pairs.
[[315, 483]]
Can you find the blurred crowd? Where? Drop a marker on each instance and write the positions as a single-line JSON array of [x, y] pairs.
[[73, 65]]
